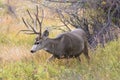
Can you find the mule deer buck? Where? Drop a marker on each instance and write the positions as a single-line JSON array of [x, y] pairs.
[[66, 45]]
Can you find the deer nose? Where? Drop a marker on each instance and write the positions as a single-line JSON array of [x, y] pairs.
[[32, 51]]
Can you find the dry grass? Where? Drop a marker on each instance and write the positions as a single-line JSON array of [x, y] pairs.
[[13, 53]]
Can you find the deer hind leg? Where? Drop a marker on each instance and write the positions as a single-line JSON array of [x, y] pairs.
[[78, 58], [85, 52], [86, 55], [51, 58]]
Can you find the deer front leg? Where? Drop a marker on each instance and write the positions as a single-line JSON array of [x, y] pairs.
[[52, 57]]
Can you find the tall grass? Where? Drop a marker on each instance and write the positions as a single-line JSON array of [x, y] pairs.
[[17, 63]]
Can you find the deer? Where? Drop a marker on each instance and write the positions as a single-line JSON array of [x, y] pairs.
[[70, 44]]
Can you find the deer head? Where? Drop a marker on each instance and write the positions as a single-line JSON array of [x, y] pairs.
[[41, 39], [41, 42]]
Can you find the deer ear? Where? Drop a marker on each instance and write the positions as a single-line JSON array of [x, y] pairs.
[[46, 33]]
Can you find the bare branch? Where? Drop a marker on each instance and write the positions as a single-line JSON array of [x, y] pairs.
[[59, 29], [63, 1], [63, 21]]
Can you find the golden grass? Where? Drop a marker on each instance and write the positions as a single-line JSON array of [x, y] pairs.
[[13, 53]]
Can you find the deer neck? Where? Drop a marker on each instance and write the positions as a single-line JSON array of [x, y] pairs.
[[51, 46]]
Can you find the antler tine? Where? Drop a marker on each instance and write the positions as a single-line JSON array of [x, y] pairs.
[[35, 23], [42, 16], [30, 15], [40, 22], [37, 10], [25, 22]]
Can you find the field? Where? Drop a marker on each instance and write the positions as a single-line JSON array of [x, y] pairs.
[[17, 63]]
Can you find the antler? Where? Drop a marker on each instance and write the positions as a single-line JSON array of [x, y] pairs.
[[32, 29], [39, 22]]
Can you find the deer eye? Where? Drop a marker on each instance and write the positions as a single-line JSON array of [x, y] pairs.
[[36, 42]]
